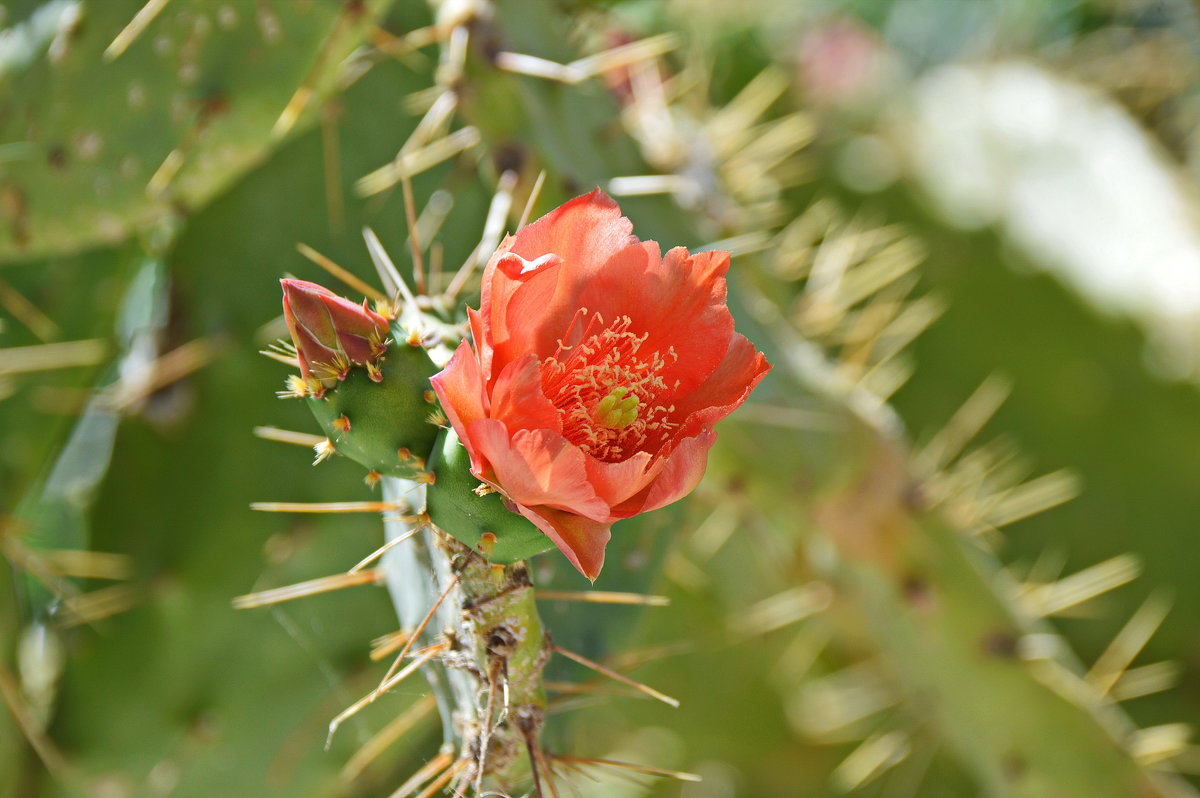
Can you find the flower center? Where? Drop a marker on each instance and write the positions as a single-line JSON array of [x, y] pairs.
[[608, 394], [617, 410]]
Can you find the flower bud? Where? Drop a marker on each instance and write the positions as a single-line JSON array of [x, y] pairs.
[[332, 334]]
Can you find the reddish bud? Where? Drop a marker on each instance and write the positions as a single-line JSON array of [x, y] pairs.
[[331, 333]]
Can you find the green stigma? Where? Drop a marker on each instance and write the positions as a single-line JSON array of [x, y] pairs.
[[617, 410]]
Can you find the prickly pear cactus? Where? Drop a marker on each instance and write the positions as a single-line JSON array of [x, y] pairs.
[[840, 584]]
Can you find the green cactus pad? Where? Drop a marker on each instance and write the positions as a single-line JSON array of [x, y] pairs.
[[389, 430], [454, 506]]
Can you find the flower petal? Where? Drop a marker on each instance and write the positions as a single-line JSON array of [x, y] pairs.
[[582, 540], [724, 390], [679, 476], [518, 401], [584, 232], [531, 285], [617, 482], [459, 387], [677, 301], [536, 467]]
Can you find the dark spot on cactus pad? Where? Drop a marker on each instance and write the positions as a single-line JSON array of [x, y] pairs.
[[529, 719], [917, 592], [915, 498], [501, 641], [487, 38], [56, 156], [571, 186], [509, 157], [453, 641], [213, 104], [1001, 644], [1014, 766]]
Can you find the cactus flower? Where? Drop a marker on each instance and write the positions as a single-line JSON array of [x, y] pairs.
[[331, 334], [598, 369]]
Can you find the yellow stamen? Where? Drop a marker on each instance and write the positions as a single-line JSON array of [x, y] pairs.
[[617, 410]]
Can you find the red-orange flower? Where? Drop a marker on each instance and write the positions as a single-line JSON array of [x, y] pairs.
[[598, 370]]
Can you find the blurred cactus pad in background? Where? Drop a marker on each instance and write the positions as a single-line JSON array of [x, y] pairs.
[[947, 547]]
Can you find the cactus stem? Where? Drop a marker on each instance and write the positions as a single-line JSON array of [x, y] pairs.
[[389, 734], [384, 549], [351, 280], [288, 436], [312, 587], [604, 597], [326, 507], [610, 673], [422, 658]]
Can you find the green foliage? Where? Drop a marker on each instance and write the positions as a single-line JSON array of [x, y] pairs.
[[180, 695], [103, 144]]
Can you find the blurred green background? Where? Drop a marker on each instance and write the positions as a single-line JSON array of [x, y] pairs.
[[1042, 154]]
